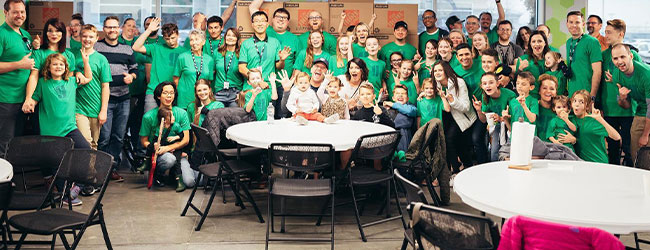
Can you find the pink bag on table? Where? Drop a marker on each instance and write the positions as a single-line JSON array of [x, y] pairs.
[[521, 232]]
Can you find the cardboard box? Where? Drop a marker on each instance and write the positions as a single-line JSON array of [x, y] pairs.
[[299, 22], [389, 14], [355, 13], [40, 12], [245, 35], [244, 16], [386, 39], [352, 1]]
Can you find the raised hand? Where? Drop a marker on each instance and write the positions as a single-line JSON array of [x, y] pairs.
[[523, 64], [377, 109], [595, 113], [329, 74], [155, 24], [417, 58], [564, 115], [608, 76], [284, 53], [522, 100], [496, 118], [84, 55], [623, 91], [36, 43], [286, 82], [476, 103], [505, 114], [343, 15]]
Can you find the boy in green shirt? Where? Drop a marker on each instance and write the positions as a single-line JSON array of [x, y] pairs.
[[163, 56], [258, 99], [375, 66], [494, 99], [524, 106]]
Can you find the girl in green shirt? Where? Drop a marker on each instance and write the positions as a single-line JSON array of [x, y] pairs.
[[431, 103], [592, 129], [258, 98], [228, 81], [392, 74], [424, 68], [552, 61], [405, 72], [338, 63], [191, 66], [361, 32], [203, 102], [314, 50]]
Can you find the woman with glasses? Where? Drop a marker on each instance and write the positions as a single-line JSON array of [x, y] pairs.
[[395, 62]]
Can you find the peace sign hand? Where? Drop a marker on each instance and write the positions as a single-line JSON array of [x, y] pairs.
[[476, 103]]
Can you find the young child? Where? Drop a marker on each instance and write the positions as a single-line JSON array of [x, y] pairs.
[[393, 73], [361, 34], [405, 72], [561, 123], [338, 63], [375, 66], [592, 128], [425, 67], [524, 106], [258, 99], [370, 110], [495, 101], [490, 63], [403, 114], [333, 104], [431, 103], [555, 66], [302, 101]]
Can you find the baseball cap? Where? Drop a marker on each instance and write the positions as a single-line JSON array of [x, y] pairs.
[[401, 24], [321, 60], [452, 20]]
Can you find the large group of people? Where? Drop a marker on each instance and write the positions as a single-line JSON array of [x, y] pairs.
[[473, 78]]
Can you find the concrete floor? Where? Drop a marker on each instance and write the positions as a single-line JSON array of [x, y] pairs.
[[138, 218]]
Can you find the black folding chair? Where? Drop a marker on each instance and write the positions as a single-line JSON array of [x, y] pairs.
[[6, 191], [413, 194], [642, 161], [300, 159], [81, 166], [228, 170], [448, 229], [418, 170]]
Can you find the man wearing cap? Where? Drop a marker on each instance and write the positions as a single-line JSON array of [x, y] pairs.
[[318, 69], [486, 22], [508, 51], [471, 26], [278, 30], [454, 23], [429, 20], [408, 51], [316, 24]]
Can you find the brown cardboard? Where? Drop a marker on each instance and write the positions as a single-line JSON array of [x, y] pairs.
[[355, 13], [386, 39], [352, 1], [389, 14], [299, 22], [244, 16], [40, 12], [245, 35]]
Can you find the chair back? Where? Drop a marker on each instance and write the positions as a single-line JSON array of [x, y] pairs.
[[642, 160], [448, 229], [413, 192], [302, 157], [6, 191], [203, 140], [85, 166], [376, 146], [37, 151]]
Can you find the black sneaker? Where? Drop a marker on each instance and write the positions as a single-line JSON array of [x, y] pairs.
[[88, 190]]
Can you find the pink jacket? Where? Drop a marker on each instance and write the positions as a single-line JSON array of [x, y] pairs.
[[521, 232]]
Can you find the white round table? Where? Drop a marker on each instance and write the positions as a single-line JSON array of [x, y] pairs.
[[6, 171], [613, 198], [343, 135]]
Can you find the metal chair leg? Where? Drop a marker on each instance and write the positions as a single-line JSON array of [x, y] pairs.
[[269, 214], [102, 224], [20, 241], [322, 211], [207, 210], [64, 240], [189, 200], [252, 201], [356, 213], [332, 221]]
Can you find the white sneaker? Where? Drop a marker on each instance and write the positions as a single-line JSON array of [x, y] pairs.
[[301, 120], [332, 119], [451, 180]]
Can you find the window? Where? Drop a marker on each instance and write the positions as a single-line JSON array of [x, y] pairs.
[[635, 19]]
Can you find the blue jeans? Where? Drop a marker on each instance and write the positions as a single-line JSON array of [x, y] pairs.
[[494, 143], [111, 135], [168, 160], [479, 141]]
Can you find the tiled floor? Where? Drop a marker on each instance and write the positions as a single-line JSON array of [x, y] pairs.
[[138, 218]]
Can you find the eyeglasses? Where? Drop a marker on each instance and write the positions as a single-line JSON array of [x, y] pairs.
[[167, 93], [282, 18], [315, 18], [259, 21], [592, 23], [395, 60], [427, 17]]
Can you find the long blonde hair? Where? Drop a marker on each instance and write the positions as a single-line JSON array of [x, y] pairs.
[[197, 101], [309, 55], [339, 56]]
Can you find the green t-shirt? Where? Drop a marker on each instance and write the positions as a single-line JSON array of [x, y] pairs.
[[609, 90], [472, 77], [329, 46], [493, 36], [287, 39], [233, 77], [261, 103], [57, 106], [187, 68], [412, 93], [587, 51], [211, 46], [407, 50], [534, 68], [359, 51], [41, 55], [122, 40], [542, 122], [333, 66], [425, 71], [561, 81], [89, 96], [300, 61], [499, 104], [163, 61], [555, 127], [590, 140], [151, 123], [191, 109], [74, 45], [639, 85], [13, 49], [375, 72], [260, 53], [424, 37], [429, 109], [517, 111], [139, 86]]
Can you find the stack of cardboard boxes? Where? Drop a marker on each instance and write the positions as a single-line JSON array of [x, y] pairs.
[[356, 11], [40, 12]]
